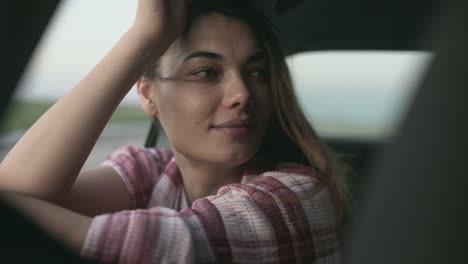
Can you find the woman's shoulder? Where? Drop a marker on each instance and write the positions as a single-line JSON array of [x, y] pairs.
[[140, 153], [139, 160], [141, 169]]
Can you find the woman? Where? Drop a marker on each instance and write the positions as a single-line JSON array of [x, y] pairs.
[[232, 188]]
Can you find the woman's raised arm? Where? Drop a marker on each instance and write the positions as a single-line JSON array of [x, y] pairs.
[[46, 161]]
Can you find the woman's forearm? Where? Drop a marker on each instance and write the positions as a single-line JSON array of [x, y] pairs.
[[62, 224], [47, 159]]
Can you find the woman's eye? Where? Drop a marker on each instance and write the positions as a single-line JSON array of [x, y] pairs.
[[207, 73], [259, 73]]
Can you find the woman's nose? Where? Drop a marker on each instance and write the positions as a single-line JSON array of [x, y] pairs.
[[236, 93]]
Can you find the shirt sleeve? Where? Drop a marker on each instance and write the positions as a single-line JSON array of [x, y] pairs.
[[277, 218], [140, 169]]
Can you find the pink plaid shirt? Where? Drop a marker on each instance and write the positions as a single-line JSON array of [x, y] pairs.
[[275, 215]]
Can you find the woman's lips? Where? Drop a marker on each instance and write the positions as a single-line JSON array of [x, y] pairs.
[[236, 128], [235, 132]]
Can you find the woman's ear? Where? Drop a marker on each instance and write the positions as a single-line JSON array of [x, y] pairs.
[[147, 92]]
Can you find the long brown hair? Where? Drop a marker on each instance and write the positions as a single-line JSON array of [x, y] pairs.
[[290, 137]]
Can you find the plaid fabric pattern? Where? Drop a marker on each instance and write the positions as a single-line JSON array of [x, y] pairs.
[[275, 215]]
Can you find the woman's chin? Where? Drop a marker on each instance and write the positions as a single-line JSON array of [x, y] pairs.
[[236, 157], [226, 155]]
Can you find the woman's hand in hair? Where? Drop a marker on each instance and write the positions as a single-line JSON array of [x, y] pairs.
[[67, 132], [161, 19]]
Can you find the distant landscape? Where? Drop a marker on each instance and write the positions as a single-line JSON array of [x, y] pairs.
[[22, 114]]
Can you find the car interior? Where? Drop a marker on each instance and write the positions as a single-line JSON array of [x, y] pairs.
[[409, 191]]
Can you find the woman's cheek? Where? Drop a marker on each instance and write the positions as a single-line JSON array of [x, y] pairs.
[[189, 105]]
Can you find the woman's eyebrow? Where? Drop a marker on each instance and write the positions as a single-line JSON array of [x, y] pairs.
[[258, 56], [203, 54]]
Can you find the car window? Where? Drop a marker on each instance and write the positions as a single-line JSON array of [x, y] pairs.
[[76, 38], [356, 95]]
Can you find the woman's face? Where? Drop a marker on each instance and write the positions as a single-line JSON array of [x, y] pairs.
[[212, 95]]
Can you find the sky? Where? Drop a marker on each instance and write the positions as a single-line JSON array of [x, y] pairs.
[[356, 89]]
